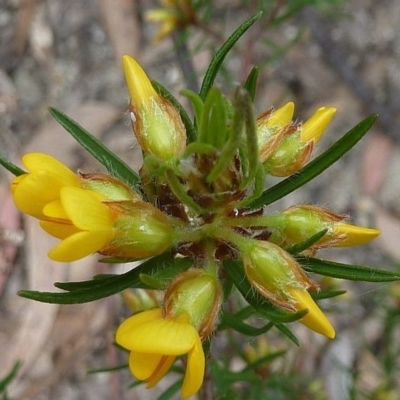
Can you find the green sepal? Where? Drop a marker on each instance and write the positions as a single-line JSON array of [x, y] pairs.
[[345, 271], [220, 55], [9, 166], [100, 288], [317, 166], [191, 133], [114, 165]]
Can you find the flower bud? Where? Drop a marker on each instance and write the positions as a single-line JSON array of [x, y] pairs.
[[282, 281], [302, 222], [157, 124], [296, 146], [198, 294], [272, 126]]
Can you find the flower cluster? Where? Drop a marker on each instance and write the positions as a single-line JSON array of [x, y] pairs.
[[195, 202]]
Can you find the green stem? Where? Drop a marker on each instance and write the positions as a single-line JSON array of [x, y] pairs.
[[273, 221], [229, 235]]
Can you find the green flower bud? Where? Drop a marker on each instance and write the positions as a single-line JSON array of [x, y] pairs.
[[302, 222], [282, 281], [157, 124]]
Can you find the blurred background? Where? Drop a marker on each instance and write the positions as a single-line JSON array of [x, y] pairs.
[[67, 54]]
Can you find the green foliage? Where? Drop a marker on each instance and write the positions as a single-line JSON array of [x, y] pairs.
[[114, 165]]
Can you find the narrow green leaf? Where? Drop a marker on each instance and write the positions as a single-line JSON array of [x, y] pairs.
[[190, 129], [213, 125], [108, 369], [230, 148], [264, 360], [4, 382], [304, 245], [317, 166], [251, 83], [101, 288], [171, 391], [196, 101], [161, 278], [231, 321], [9, 166], [327, 294], [219, 57], [345, 271], [114, 165]]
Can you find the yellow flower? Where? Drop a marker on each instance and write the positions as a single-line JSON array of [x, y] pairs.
[[282, 281], [174, 14], [42, 184], [88, 223], [47, 176], [157, 124], [155, 341], [82, 219]]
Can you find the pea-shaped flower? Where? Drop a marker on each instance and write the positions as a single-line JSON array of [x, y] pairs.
[[155, 338]]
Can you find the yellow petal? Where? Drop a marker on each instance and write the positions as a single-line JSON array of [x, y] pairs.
[[194, 371], [355, 235], [122, 336], [139, 85], [85, 209], [59, 229], [43, 162], [162, 368], [313, 128], [144, 365], [315, 319], [164, 336], [282, 116], [35, 191], [42, 185], [55, 210], [80, 245]]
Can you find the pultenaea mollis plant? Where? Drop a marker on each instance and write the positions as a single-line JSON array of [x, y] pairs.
[[197, 214]]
